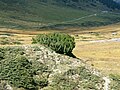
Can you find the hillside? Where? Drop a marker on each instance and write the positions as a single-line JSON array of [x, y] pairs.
[[33, 67], [37, 14], [36, 66]]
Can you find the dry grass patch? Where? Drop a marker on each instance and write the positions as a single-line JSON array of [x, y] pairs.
[[103, 56]]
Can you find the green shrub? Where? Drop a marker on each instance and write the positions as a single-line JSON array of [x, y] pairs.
[[59, 42], [18, 72], [76, 79], [16, 69]]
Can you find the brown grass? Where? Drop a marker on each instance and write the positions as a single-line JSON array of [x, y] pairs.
[[103, 56]]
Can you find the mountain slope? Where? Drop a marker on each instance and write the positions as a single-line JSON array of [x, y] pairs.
[[110, 4], [36, 14]]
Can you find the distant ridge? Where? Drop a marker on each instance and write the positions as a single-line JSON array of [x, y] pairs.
[[39, 14]]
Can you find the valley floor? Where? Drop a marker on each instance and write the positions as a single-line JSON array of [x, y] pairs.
[[105, 56], [100, 48]]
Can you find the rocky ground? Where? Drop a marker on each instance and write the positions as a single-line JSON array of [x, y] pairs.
[[64, 72]]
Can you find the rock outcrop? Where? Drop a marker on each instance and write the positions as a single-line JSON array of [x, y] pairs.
[[64, 72]]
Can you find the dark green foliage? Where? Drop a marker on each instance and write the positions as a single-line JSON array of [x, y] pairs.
[[110, 4], [59, 42], [62, 82], [76, 3], [89, 80], [74, 77], [19, 71]]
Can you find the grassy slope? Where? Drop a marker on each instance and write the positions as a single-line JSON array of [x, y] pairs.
[[34, 14]]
